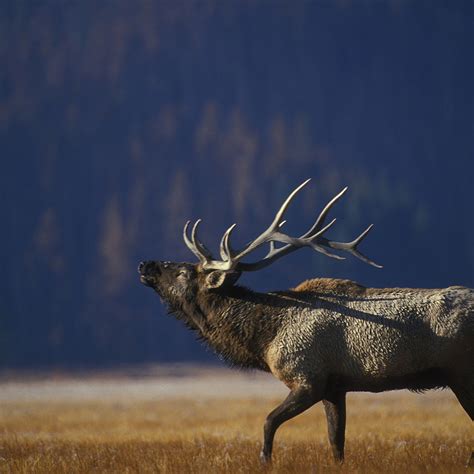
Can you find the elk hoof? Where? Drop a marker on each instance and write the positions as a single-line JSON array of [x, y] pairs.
[[265, 458]]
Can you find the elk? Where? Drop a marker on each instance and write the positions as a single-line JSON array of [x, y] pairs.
[[326, 337]]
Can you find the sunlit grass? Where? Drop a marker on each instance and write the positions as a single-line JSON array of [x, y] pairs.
[[399, 433]]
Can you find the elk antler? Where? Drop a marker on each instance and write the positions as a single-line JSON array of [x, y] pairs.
[[313, 238]]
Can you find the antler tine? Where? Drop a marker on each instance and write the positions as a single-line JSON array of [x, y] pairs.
[[278, 217], [200, 247], [322, 216], [224, 247], [351, 247], [272, 231], [185, 236], [191, 245]]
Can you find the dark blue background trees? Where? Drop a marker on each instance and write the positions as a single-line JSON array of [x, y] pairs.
[[121, 120]]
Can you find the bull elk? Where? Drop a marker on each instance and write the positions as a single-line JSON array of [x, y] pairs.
[[326, 337]]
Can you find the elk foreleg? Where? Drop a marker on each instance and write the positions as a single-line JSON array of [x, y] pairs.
[[297, 401], [335, 408]]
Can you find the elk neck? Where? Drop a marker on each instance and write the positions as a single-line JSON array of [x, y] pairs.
[[239, 325]]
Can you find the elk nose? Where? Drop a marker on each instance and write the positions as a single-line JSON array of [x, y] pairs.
[[144, 268]]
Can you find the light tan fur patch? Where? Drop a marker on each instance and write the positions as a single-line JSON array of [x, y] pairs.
[[331, 285]]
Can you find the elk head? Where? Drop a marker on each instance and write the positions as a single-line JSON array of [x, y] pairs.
[[179, 283]]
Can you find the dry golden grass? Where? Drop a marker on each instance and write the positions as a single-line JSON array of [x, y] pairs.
[[388, 433]]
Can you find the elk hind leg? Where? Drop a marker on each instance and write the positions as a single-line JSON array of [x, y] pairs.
[[463, 388], [335, 408], [298, 400]]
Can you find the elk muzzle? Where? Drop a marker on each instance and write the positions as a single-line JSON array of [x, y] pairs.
[[148, 272]]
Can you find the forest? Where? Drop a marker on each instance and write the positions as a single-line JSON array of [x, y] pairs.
[[119, 121]]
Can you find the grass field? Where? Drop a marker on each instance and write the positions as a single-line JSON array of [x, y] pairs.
[[210, 421]]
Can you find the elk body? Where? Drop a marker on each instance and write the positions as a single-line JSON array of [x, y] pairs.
[[326, 337]]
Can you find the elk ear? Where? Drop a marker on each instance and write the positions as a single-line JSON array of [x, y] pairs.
[[219, 279]]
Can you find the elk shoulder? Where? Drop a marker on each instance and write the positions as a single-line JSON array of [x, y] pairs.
[[331, 286]]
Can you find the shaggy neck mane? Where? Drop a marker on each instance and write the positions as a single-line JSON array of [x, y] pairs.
[[237, 324]]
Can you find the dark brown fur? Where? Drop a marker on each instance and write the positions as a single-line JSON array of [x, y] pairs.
[[242, 337]]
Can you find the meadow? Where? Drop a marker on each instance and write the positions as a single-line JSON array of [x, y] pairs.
[[192, 420]]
